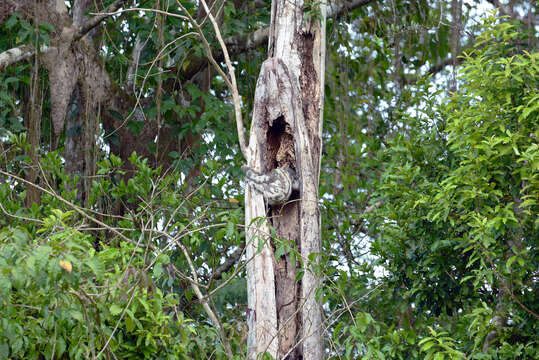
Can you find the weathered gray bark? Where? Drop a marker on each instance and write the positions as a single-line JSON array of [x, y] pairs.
[[284, 315]]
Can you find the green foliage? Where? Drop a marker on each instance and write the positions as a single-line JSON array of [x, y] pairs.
[[93, 285], [439, 346], [365, 338], [24, 31], [429, 200], [458, 225], [61, 297], [311, 10]]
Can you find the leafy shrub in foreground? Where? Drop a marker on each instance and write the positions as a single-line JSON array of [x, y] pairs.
[[59, 296]]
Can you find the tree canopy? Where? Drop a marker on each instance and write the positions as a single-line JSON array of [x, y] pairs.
[[122, 231]]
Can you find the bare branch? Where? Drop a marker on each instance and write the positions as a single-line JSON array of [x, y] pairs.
[[230, 80], [163, 12], [436, 68], [234, 87], [204, 302], [77, 208]]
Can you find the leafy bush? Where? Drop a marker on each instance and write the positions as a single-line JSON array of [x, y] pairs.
[[62, 297], [458, 222]]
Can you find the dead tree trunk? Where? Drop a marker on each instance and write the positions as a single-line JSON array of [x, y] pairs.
[[284, 315]]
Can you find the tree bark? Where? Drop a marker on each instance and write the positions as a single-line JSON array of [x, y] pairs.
[[284, 314], [33, 124]]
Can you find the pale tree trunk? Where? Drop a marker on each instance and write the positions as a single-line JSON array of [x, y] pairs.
[[284, 315]]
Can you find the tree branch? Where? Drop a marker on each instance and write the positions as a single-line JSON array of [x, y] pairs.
[[204, 301], [242, 43], [93, 22], [229, 262], [231, 83], [19, 53], [337, 8], [505, 10], [439, 66]]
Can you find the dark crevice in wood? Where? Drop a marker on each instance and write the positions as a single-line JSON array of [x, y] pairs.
[[274, 134], [309, 93], [280, 144], [285, 220]]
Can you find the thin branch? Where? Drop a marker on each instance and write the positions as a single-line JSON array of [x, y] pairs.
[[230, 82], [504, 283], [20, 217], [162, 12], [73, 206], [436, 68], [439, 66], [204, 302], [117, 324], [234, 87]]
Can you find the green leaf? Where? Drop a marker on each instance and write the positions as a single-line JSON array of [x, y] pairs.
[[97, 267], [4, 350], [13, 19], [439, 356], [129, 324], [158, 270], [230, 229], [115, 309], [279, 251], [510, 262], [77, 315], [48, 27], [5, 286], [42, 254]]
